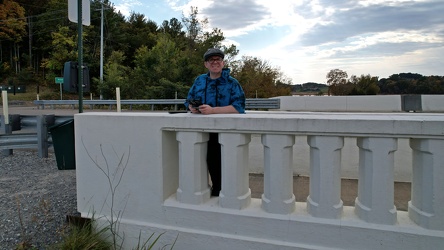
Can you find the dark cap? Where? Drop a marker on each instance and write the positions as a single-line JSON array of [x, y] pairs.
[[213, 52]]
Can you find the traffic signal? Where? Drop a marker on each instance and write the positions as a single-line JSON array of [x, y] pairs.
[[70, 77]]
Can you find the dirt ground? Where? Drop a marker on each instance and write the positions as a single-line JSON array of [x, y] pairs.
[[349, 190]]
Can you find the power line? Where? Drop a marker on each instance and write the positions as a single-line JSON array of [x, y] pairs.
[[42, 14], [24, 18]]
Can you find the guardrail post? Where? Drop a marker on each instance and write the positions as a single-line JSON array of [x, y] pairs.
[[6, 130], [43, 123]]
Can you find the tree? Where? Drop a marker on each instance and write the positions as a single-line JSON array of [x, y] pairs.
[[259, 79], [337, 80], [364, 85], [173, 28], [64, 44], [194, 25], [139, 32], [115, 75], [12, 29]]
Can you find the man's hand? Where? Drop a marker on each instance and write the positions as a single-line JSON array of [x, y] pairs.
[[206, 109], [193, 110]]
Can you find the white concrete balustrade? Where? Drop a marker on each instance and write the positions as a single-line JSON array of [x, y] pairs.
[[157, 164]]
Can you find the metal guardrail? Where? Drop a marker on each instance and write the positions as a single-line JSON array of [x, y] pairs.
[[34, 133], [262, 103], [15, 141], [250, 103], [38, 126]]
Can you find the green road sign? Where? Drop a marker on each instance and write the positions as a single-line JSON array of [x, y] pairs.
[[59, 80]]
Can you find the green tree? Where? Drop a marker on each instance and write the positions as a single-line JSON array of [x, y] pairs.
[[53, 15], [156, 64], [364, 85], [64, 43], [139, 32], [337, 81], [194, 26], [173, 28], [116, 74]]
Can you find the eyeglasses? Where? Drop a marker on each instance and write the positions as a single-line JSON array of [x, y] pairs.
[[212, 60]]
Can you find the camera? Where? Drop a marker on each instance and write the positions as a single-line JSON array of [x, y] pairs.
[[195, 103]]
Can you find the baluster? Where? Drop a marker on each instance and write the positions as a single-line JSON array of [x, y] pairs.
[[375, 201], [193, 174], [324, 200], [278, 194], [235, 191], [426, 207]]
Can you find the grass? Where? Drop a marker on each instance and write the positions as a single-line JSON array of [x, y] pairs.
[[84, 237], [45, 93]]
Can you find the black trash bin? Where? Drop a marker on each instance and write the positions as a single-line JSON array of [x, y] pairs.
[[63, 140]]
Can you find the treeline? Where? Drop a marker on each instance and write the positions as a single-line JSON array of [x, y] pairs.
[[310, 87], [145, 59], [403, 83], [411, 83]]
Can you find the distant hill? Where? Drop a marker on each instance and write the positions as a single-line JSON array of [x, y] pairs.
[[308, 87]]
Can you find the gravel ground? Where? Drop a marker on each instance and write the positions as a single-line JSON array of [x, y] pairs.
[[35, 198]]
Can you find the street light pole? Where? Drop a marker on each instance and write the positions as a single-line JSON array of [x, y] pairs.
[[101, 53]]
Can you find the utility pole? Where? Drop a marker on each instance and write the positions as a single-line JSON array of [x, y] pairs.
[[101, 53], [30, 41]]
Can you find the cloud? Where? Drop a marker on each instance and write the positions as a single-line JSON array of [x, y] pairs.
[[127, 6], [361, 20], [385, 49], [235, 14]]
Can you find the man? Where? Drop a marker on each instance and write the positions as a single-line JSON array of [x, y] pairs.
[[215, 92]]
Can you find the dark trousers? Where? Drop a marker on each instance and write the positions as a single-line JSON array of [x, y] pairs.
[[214, 163]]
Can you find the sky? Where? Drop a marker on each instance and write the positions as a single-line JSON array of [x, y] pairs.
[[305, 39]]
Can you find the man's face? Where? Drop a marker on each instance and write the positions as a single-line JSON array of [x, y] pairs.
[[214, 64]]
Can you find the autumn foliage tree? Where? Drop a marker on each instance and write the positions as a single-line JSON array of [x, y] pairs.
[[12, 30], [362, 85], [259, 79]]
